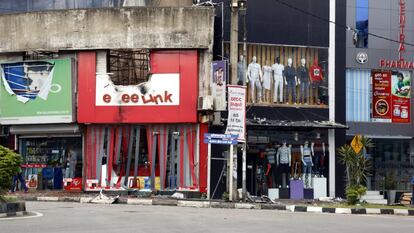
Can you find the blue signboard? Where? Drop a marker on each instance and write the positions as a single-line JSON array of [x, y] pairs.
[[226, 139]]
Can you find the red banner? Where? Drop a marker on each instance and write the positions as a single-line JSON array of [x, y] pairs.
[[381, 97]]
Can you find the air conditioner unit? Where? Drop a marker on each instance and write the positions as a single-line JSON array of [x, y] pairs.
[[205, 103]]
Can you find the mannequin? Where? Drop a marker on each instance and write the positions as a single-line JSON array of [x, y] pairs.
[[318, 148], [291, 81], [283, 159], [271, 166], [262, 167], [304, 79], [278, 80], [254, 74], [307, 162], [267, 75], [240, 71], [316, 77]]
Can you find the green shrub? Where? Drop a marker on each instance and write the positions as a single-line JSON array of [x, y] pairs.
[[9, 166], [354, 193]]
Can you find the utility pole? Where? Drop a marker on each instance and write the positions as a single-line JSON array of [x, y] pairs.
[[234, 39]]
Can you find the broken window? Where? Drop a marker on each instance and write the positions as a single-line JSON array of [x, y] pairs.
[[129, 67]]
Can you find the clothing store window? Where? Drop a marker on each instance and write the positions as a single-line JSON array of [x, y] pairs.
[[284, 75], [47, 161], [278, 157], [361, 20]]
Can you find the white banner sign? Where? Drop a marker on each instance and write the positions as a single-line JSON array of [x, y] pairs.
[[159, 90], [236, 123]]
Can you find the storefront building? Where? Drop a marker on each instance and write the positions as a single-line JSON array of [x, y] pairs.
[[378, 88], [295, 103], [94, 109]]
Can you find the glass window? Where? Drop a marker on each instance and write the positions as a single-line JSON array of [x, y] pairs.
[[47, 161], [361, 21], [392, 165]]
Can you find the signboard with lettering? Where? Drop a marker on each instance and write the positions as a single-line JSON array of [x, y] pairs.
[[236, 122], [391, 96], [381, 96], [226, 139], [219, 71]]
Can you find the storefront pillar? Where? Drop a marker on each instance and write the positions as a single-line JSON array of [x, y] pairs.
[[331, 140]]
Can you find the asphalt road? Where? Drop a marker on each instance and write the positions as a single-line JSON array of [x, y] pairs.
[[75, 217]]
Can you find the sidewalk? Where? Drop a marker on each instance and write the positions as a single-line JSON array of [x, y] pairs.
[[281, 205]]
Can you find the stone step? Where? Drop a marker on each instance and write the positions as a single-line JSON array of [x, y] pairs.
[[372, 192], [382, 202], [372, 197]]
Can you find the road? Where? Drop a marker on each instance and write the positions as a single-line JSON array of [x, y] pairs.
[[76, 217]]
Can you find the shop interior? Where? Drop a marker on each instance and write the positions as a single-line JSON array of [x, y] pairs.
[[47, 161], [276, 159]]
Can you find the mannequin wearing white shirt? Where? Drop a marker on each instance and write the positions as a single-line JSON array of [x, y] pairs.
[[254, 75], [267, 80], [278, 80]]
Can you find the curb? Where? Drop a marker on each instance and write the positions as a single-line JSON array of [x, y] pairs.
[[231, 205]]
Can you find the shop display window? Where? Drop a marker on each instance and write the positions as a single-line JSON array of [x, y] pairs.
[[361, 21], [278, 157], [48, 161], [283, 75]]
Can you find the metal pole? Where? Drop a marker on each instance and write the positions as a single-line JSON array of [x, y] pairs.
[[244, 172], [208, 170], [244, 50], [231, 173], [234, 33]]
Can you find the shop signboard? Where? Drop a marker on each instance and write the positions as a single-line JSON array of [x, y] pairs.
[[226, 139], [391, 96], [33, 92], [401, 97], [236, 122], [219, 71], [381, 96], [169, 95], [159, 90], [32, 181]]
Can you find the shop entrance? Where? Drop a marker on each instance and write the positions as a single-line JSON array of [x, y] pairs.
[[47, 161], [155, 157], [277, 159]]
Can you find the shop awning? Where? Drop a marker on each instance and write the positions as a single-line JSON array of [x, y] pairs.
[[45, 129], [263, 122]]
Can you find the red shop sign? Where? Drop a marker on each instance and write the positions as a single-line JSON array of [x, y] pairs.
[[381, 97]]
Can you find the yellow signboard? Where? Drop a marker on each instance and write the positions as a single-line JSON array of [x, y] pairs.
[[356, 144]]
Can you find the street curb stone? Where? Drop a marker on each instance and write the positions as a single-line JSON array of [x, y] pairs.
[[228, 205]]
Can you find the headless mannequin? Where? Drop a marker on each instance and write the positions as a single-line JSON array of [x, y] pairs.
[[307, 162], [240, 71], [319, 155], [254, 74], [304, 79], [291, 81], [267, 76], [283, 158], [278, 80]]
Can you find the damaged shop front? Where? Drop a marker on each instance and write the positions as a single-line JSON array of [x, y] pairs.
[[37, 105], [140, 111]]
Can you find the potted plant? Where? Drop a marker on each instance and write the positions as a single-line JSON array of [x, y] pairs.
[[357, 169], [390, 184]]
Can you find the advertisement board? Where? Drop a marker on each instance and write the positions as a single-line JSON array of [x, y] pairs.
[[33, 92], [219, 71], [236, 123], [381, 96], [401, 97], [391, 96]]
